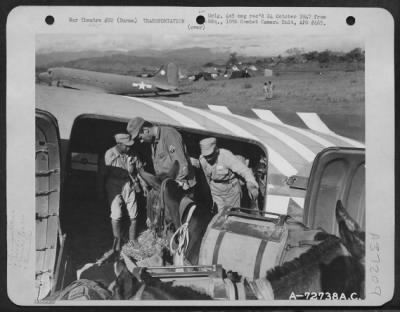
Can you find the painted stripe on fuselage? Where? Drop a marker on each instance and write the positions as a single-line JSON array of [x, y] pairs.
[[280, 203], [277, 203], [267, 115], [220, 109], [351, 142], [173, 102], [299, 201], [278, 161], [302, 150], [182, 119], [313, 121]]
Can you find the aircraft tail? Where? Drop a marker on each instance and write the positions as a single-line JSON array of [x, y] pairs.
[[168, 73]]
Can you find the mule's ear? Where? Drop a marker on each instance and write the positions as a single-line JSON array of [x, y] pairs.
[[350, 233], [119, 266], [125, 284], [342, 217]]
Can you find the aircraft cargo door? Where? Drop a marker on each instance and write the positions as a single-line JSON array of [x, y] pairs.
[[337, 174], [47, 202]]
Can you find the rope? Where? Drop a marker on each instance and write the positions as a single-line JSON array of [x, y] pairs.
[[161, 214], [183, 233]]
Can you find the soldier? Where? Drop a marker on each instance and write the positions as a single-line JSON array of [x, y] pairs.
[[270, 89], [121, 186], [222, 170], [265, 88], [167, 147]]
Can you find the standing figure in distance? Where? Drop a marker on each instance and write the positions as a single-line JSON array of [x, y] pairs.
[[270, 88], [265, 88]]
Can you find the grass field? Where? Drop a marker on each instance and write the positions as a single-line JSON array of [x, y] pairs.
[[337, 94], [330, 93]]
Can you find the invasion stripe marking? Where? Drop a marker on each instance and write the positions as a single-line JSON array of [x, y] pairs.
[[267, 115], [302, 150], [264, 116], [299, 201], [348, 140], [282, 202], [173, 102], [277, 203], [220, 109], [313, 121], [276, 159], [182, 119]]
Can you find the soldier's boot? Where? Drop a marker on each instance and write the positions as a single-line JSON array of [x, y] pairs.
[[132, 230], [116, 228]]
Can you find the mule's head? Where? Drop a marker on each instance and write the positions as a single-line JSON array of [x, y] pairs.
[[155, 180], [127, 284], [350, 233]]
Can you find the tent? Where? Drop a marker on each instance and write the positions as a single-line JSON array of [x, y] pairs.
[[253, 68], [239, 74], [268, 72]]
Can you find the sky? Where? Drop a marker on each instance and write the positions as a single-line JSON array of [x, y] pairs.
[[256, 45]]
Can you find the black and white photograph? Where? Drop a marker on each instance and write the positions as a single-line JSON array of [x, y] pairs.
[[203, 157]]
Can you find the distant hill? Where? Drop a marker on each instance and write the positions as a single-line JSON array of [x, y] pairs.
[[115, 61], [195, 59], [50, 58]]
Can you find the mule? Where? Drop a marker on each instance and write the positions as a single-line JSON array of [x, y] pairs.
[[332, 267], [170, 209], [113, 281]]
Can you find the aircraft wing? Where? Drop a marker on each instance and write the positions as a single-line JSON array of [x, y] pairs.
[[78, 86], [158, 93]]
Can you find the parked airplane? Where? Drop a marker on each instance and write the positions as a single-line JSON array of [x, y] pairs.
[[164, 82]]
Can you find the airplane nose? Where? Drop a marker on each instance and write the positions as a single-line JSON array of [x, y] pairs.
[[43, 77], [40, 77]]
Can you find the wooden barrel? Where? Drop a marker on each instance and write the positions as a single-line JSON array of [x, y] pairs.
[[244, 241]]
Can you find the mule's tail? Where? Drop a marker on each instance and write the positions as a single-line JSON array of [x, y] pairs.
[[168, 73]]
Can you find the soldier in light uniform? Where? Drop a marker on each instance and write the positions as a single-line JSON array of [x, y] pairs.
[[121, 186], [222, 170]]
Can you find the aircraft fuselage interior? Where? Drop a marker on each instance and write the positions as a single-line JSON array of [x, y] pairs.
[[84, 212]]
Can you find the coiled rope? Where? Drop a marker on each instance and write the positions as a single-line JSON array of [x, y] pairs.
[[183, 235]]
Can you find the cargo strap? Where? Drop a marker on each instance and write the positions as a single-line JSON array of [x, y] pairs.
[[183, 234], [262, 289]]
